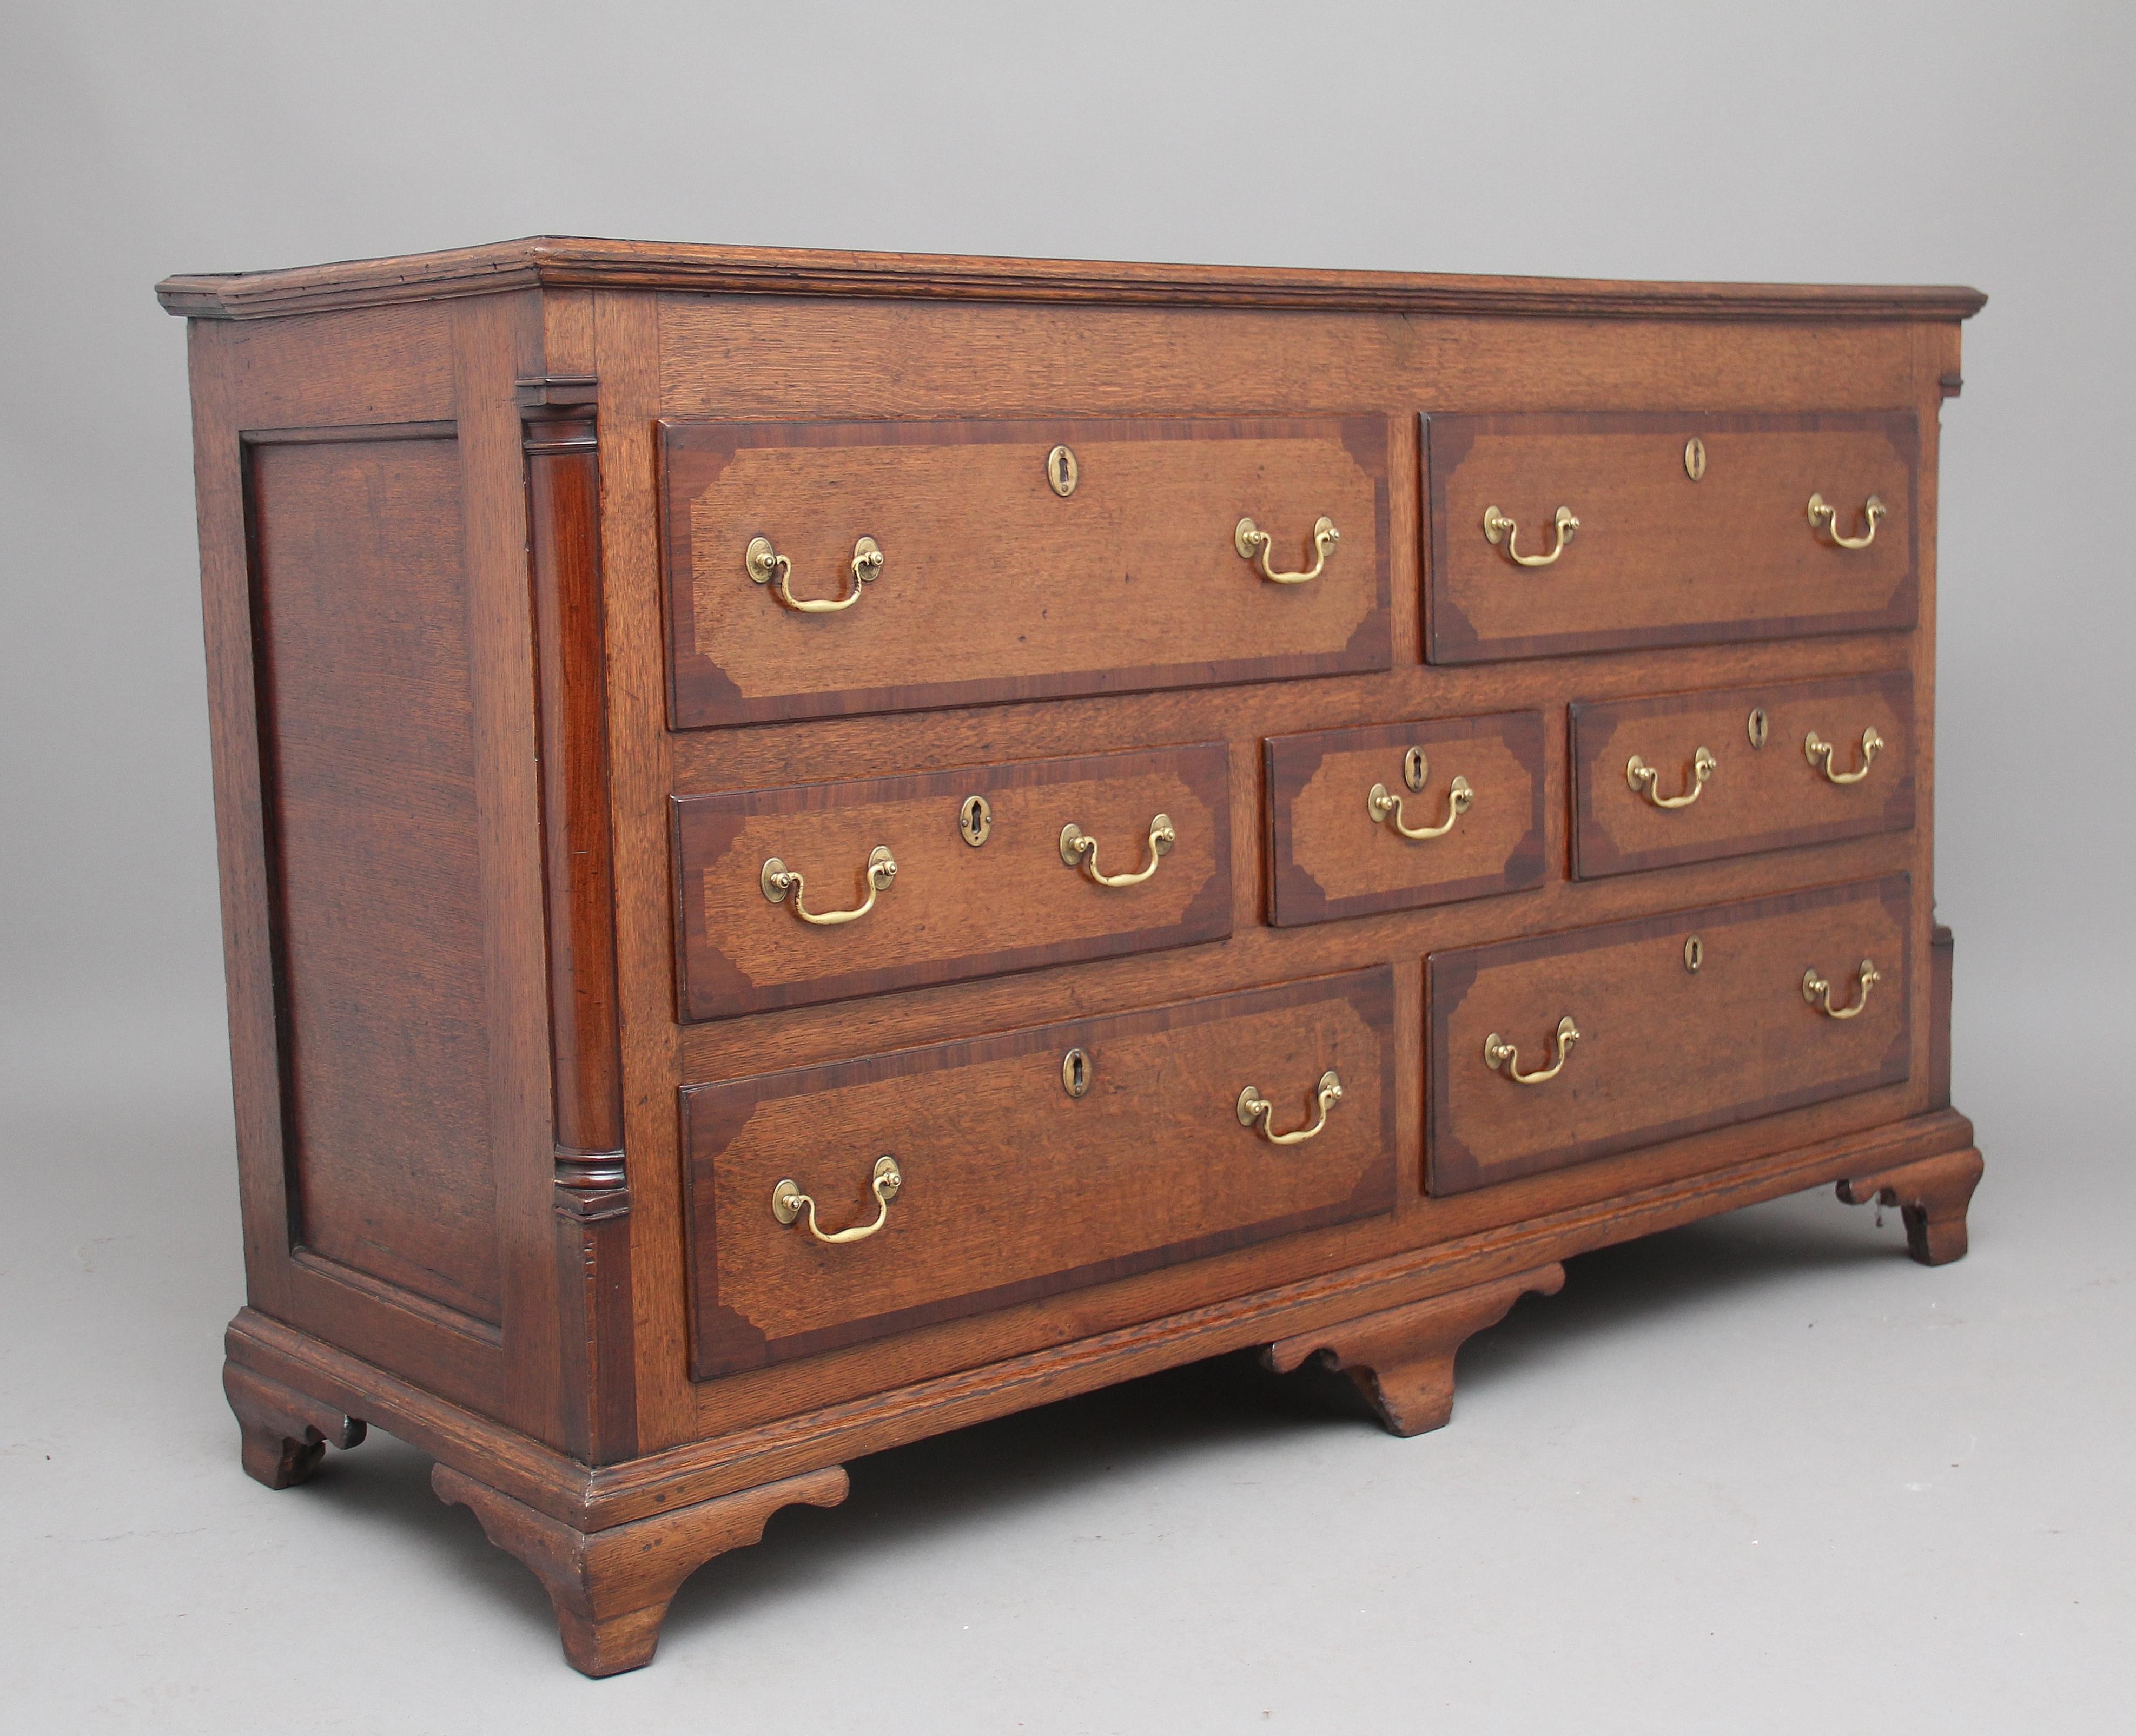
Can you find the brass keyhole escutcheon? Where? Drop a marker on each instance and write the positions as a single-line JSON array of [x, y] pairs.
[[1061, 471], [1758, 727], [1694, 954], [1075, 1072], [975, 820], [1694, 458], [1416, 770]]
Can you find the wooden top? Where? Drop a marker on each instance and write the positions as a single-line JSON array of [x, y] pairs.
[[557, 262]]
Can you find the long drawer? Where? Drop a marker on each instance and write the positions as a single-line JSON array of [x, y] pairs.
[[817, 892], [988, 561], [1689, 777], [1396, 816], [1599, 532], [1546, 1053], [1015, 1166]]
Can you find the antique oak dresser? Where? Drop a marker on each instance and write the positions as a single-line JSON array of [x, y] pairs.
[[818, 847]]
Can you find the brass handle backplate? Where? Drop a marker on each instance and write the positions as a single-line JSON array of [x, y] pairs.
[[1252, 544], [778, 882], [1820, 752], [1498, 529], [1643, 777], [1384, 805], [1079, 850], [1818, 992], [789, 1202], [1254, 1108], [1825, 517], [766, 566], [1500, 1054]]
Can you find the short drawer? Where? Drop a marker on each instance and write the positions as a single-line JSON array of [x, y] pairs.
[[1030, 1163], [1546, 1053], [971, 576], [1345, 805], [1794, 763], [1691, 529], [959, 873]]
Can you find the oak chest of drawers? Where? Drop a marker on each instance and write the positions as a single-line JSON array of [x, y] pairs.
[[818, 847]]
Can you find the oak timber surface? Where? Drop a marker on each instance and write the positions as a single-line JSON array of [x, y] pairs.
[[1013, 1187], [1331, 855], [367, 737], [955, 909], [1663, 1047], [561, 262], [992, 586], [1761, 797], [1661, 558]]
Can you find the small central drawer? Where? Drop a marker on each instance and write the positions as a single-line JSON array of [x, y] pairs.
[[817, 892], [1011, 1167], [1598, 531], [1396, 816], [1546, 1053], [822, 569], [1689, 777]]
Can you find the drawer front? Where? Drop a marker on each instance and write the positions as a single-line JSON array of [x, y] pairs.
[[1787, 765], [951, 909], [1009, 1187], [1662, 1049], [1658, 558], [992, 586], [1340, 802]]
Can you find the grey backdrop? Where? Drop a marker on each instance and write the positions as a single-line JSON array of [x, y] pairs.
[[1818, 1488]]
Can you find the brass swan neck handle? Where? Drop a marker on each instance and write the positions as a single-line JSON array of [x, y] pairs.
[[1253, 1108], [789, 1202], [777, 882], [1642, 778], [1825, 517], [1385, 806], [1079, 850], [1500, 529], [1253, 543], [1500, 1054], [1818, 992], [1819, 752], [766, 566]]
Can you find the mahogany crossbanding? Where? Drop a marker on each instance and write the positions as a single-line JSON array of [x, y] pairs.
[[583, 618]]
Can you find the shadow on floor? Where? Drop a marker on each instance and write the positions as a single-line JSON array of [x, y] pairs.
[[907, 1495]]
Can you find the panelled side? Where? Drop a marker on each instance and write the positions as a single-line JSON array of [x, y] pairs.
[[365, 715]]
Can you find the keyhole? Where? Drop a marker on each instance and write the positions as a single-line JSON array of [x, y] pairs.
[[1415, 768], [1694, 953], [1075, 1072], [1758, 727], [1061, 471], [975, 820]]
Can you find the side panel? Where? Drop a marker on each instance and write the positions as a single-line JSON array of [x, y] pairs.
[[359, 597]]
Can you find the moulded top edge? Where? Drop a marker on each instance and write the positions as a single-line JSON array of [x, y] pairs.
[[552, 262]]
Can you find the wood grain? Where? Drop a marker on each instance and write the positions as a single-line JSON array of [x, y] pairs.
[[1401, 1360], [1662, 1050], [1150, 1167], [1934, 1195], [1768, 797], [993, 587], [367, 729], [1659, 559], [1328, 856], [574, 1386], [952, 911], [559, 262], [611, 1589], [738, 1457]]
